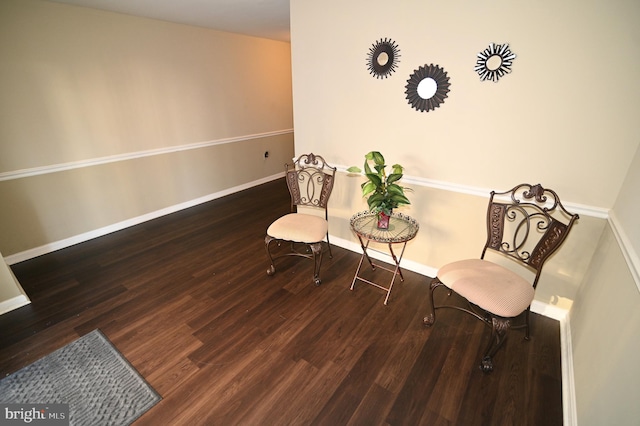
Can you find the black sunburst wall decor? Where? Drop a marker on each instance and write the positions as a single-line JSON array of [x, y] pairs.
[[494, 62], [427, 87], [383, 58]]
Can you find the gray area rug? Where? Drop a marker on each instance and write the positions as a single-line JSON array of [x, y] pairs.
[[90, 375]]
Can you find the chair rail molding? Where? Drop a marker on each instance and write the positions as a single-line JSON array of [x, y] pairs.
[[53, 168], [628, 251], [582, 209]]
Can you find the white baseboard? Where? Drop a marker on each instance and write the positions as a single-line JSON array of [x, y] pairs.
[[384, 257], [569, 410], [549, 311], [13, 303], [68, 242]]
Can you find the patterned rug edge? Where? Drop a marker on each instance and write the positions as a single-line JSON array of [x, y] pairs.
[[90, 374]]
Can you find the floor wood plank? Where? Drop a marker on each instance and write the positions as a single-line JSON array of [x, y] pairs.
[[187, 300]]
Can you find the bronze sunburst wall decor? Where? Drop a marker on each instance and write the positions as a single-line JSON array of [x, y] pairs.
[[427, 87], [494, 62], [383, 58]]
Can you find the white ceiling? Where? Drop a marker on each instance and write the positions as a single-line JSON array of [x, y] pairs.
[[260, 18]]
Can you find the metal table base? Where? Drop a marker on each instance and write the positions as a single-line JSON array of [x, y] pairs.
[[401, 230], [396, 271]]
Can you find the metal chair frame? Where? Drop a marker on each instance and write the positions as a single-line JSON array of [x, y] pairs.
[[310, 182], [527, 227]]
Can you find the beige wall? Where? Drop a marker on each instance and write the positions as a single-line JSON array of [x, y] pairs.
[[605, 321], [563, 118], [107, 117], [553, 120], [627, 206], [452, 226], [605, 325], [52, 207], [79, 84], [12, 295]]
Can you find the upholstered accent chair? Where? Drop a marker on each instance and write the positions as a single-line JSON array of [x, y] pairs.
[[525, 226], [310, 181]]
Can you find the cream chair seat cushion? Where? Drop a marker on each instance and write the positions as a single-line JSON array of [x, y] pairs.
[[492, 287], [299, 227]]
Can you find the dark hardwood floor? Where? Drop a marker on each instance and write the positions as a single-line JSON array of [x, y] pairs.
[[186, 299]]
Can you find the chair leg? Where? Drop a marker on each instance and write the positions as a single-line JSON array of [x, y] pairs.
[[329, 246], [271, 269], [316, 248], [499, 329], [430, 319]]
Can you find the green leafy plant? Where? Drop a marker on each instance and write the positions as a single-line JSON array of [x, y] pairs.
[[384, 193]]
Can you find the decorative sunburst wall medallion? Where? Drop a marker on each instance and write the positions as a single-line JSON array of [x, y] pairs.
[[383, 58], [427, 87], [494, 62]]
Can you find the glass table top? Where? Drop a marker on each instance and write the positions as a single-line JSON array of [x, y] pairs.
[[402, 228]]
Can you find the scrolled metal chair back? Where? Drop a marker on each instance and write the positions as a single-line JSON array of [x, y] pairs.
[[528, 224], [310, 180]]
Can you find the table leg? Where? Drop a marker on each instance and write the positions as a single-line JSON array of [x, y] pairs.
[[397, 270], [397, 261], [364, 254]]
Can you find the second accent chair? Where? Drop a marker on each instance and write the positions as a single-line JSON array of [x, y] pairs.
[[525, 226], [310, 181]]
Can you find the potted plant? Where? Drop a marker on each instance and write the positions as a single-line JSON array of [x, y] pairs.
[[382, 189]]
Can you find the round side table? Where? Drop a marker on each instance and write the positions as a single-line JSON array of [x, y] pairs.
[[402, 229]]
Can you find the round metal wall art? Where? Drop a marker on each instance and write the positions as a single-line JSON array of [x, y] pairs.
[[494, 62], [427, 87], [383, 58]]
